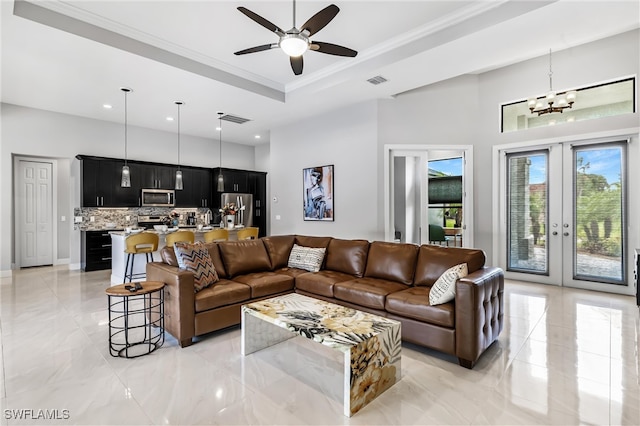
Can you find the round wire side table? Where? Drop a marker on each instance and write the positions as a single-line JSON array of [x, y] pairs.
[[136, 318]]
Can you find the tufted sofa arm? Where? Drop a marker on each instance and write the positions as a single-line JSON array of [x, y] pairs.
[[179, 300], [479, 313]]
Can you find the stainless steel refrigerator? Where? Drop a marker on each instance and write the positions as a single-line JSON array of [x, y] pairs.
[[243, 217]]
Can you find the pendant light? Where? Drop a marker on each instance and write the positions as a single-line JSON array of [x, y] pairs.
[[552, 101], [220, 178], [125, 181], [178, 172]]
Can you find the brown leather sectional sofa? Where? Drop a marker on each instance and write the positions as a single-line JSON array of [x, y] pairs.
[[388, 279]]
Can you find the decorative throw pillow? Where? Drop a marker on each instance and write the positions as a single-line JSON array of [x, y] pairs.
[[195, 258], [307, 258], [444, 289]]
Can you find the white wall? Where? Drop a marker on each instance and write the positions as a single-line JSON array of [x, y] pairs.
[[460, 111], [32, 132], [348, 140]]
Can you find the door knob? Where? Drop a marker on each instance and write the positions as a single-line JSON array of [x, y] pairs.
[[566, 234], [554, 233]]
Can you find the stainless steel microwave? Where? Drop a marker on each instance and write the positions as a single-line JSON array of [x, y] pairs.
[[158, 198]]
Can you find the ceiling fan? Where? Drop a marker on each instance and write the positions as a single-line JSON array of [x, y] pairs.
[[296, 41]]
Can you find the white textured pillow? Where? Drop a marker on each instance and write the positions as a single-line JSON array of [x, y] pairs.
[[307, 258], [444, 289]]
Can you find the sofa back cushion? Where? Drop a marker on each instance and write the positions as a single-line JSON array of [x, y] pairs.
[[392, 261], [306, 241], [433, 261], [168, 255], [243, 257], [278, 248], [347, 256]]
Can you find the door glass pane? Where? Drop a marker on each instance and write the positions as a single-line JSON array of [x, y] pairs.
[[445, 201], [527, 212], [599, 213]]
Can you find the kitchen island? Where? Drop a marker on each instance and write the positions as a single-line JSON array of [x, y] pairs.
[[119, 257]]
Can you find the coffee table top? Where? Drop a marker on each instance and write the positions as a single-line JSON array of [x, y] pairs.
[[332, 325]]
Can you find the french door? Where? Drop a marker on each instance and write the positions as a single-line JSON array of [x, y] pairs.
[[564, 215]]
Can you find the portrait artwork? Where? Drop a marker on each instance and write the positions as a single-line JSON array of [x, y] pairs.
[[318, 193]]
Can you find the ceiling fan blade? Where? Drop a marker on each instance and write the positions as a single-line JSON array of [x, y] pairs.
[[332, 49], [256, 49], [320, 19], [260, 20], [296, 64]]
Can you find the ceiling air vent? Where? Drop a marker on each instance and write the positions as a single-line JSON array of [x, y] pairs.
[[377, 80], [234, 119]]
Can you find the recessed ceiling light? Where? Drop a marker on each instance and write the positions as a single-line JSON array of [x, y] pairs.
[[257, 136], [169, 118], [107, 106], [218, 128]]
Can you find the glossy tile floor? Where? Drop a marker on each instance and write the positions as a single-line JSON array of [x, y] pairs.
[[565, 357]]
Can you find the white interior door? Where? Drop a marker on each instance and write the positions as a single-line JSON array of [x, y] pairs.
[[34, 208], [564, 215]]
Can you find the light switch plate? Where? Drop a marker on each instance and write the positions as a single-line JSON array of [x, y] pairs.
[[78, 219]]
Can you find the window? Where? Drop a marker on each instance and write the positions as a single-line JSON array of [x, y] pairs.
[[596, 101]]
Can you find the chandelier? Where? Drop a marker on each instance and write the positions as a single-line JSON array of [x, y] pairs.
[[552, 102]]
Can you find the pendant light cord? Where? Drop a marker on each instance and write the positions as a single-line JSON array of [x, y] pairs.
[[550, 73], [220, 138], [178, 103], [126, 92]]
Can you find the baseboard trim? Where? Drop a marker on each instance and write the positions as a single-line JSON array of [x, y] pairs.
[[6, 273], [75, 266]]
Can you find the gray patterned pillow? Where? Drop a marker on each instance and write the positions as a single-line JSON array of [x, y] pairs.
[[444, 289], [307, 258]]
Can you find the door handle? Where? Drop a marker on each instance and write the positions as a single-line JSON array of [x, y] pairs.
[[566, 234], [554, 233]]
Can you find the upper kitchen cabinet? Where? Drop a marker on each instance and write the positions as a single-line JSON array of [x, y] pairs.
[[101, 184], [196, 190], [153, 176], [234, 180]]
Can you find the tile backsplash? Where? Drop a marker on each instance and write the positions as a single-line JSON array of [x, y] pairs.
[[124, 217]]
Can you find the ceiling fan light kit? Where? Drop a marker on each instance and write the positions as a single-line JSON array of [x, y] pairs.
[[296, 42]]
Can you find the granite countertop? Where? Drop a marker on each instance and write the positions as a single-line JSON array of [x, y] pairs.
[[122, 232]]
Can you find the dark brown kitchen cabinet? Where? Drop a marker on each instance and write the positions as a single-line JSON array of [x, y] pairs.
[[101, 187], [258, 187], [153, 176], [196, 190], [96, 250], [234, 180]]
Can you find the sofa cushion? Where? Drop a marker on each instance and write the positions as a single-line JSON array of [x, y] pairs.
[[278, 248], [195, 258], [369, 292], [392, 261], [306, 241], [291, 272], [222, 293], [434, 260], [168, 255], [321, 282], [214, 252], [444, 290], [243, 257], [266, 283], [412, 303], [307, 258], [347, 256]]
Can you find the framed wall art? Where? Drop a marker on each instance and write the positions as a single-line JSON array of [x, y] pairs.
[[318, 193]]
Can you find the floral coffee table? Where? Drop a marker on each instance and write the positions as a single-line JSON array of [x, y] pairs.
[[370, 343]]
